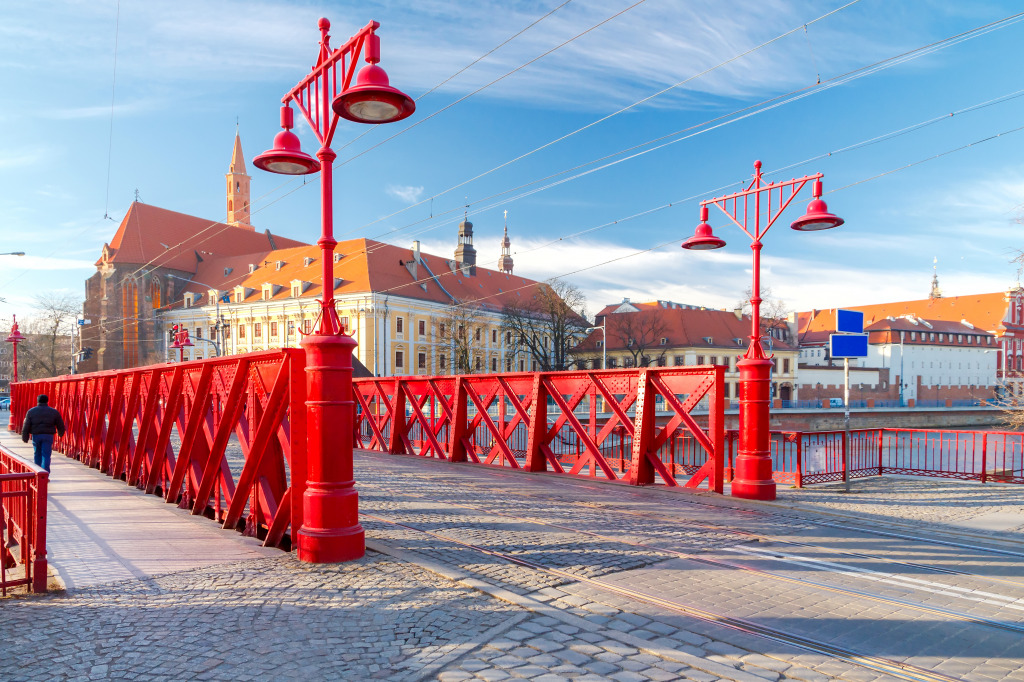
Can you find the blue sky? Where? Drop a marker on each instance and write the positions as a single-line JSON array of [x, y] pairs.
[[186, 70]]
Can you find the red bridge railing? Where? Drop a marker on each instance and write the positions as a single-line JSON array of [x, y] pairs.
[[804, 458], [219, 436], [22, 524], [634, 426]]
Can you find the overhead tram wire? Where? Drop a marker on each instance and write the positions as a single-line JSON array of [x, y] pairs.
[[857, 73], [113, 91], [592, 123], [746, 112]]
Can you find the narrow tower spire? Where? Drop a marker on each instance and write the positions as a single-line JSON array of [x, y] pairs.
[[505, 262], [936, 291], [238, 187]]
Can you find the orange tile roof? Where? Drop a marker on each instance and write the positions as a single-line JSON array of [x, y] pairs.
[[366, 266], [162, 238], [684, 327], [985, 311]]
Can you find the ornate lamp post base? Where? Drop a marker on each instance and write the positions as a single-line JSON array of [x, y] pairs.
[[330, 529], [752, 479]]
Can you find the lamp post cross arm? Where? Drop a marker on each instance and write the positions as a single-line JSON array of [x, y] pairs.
[[314, 94], [777, 202]]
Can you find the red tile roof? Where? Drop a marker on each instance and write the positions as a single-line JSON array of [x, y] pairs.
[[149, 235], [365, 266], [985, 311], [684, 327]]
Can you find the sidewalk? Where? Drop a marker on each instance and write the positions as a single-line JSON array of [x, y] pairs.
[[102, 531]]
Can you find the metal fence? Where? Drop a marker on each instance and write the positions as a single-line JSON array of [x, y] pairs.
[[22, 524], [803, 458], [631, 426], [218, 436]]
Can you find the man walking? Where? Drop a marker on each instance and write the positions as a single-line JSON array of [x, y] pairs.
[[41, 422]]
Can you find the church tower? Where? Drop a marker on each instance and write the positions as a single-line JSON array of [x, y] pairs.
[[936, 291], [465, 254], [238, 189], [505, 262]]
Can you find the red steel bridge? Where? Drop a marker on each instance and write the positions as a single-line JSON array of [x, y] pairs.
[[227, 437]]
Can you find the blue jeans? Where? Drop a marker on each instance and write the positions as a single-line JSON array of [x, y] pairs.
[[43, 446]]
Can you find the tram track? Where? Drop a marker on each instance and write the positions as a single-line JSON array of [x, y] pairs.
[[895, 668], [774, 539], [961, 593]]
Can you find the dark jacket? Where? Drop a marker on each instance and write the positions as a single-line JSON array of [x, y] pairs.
[[42, 420]]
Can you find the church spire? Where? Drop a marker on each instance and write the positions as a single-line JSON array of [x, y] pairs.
[[465, 254], [505, 262], [238, 188], [936, 291]]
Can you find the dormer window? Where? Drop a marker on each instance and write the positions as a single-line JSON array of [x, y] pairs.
[[664, 341], [252, 268], [307, 261], [708, 340], [228, 271], [279, 264], [338, 257]]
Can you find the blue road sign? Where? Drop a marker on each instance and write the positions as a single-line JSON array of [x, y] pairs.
[[849, 322], [848, 345]]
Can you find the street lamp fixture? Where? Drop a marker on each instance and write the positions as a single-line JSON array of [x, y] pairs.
[[604, 342], [330, 530], [14, 339], [753, 476]]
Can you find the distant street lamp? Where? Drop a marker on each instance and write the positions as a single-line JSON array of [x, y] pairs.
[[14, 339], [330, 529], [753, 478], [604, 343]]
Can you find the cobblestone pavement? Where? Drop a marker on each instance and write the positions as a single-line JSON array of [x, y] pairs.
[[426, 607]]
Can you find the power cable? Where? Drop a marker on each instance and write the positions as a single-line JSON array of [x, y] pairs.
[[113, 91]]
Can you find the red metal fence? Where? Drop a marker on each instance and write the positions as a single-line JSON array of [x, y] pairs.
[[804, 458], [22, 524], [632, 426], [215, 436]]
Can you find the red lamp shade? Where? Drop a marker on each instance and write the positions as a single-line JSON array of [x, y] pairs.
[[817, 216], [703, 238], [16, 336], [372, 99], [286, 157]]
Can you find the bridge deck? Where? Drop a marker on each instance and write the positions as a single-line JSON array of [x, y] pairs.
[[474, 573]]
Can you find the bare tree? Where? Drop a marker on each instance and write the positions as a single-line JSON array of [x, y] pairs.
[[47, 350], [457, 330], [774, 313], [638, 334], [547, 325]]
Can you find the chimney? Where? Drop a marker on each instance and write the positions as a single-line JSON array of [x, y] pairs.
[[416, 251], [738, 312]]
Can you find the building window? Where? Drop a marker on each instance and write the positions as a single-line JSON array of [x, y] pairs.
[[291, 328], [508, 364], [679, 361], [296, 291], [399, 358], [440, 329], [443, 361], [700, 359], [421, 361], [522, 365], [238, 297], [494, 364], [344, 323], [266, 294], [257, 330], [478, 333], [241, 331], [479, 362], [661, 361], [462, 331], [307, 326], [785, 365], [612, 363], [199, 332], [664, 341], [508, 338], [273, 329], [423, 328], [494, 336], [227, 331], [399, 325]]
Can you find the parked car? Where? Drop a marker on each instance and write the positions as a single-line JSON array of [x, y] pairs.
[[835, 402], [5, 403]]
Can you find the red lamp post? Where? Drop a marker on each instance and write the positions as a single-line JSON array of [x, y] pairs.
[[14, 339], [330, 529], [753, 478], [181, 340]]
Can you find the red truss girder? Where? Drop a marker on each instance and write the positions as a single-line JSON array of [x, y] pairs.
[[562, 422], [167, 429]]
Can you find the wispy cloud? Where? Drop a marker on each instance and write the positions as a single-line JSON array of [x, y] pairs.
[[406, 193]]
